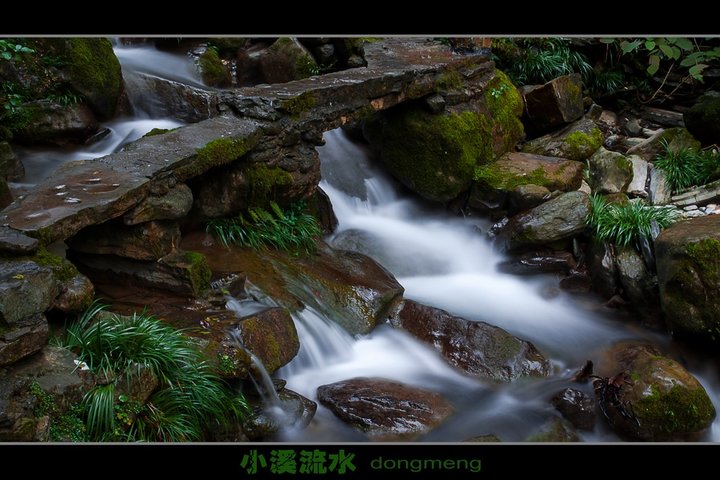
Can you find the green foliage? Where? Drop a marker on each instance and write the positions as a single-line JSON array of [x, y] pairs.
[[686, 167], [66, 425], [10, 50], [691, 54], [190, 397], [538, 60], [603, 82], [291, 230], [628, 223]]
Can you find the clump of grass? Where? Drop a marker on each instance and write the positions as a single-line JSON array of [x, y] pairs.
[[292, 230], [189, 398], [626, 224], [538, 60], [686, 167]]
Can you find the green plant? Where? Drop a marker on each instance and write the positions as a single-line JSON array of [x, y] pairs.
[[189, 398], [291, 230], [10, 50], [686, 167], [538, 60], [627, 223]]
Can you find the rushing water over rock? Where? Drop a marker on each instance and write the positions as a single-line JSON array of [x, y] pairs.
[[446, 262]]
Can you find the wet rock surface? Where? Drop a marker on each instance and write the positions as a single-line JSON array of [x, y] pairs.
[[479, 349], [385, 409], [576, 407]]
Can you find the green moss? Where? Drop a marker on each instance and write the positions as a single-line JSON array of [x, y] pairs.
[[216, 152], [449, 80], [497, 178], [198, 270], [299, 104], [96, 72], [157, 131], [62, 269], [265, 182], [678, 410], [505, 106], [706, 256], [212, 69], [64, 425], [45, 236], [581, 145]]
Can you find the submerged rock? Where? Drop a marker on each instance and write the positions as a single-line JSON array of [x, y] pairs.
[[479, 349], [294, 411], [661, 402], [384, 409], [538, 263], [688, 273]]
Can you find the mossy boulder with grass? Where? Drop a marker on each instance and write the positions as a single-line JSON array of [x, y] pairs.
[[577, 141], [610, 172], [436, 155], [667, 402], [688, 266], [479, 349], [703, 119]]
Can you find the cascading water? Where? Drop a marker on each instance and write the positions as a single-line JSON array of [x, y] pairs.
[[40, 162], [445, 262]]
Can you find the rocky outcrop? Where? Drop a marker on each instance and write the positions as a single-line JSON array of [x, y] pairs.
[[556, 220], [173, 205], [166, 98], [146, 241], [383, 409], [703, 119], [435, 153], [479, 349], [578, 141], [668, 403], [688, 271], [610, 172], [553, 104], [505, 181], [56, 124]]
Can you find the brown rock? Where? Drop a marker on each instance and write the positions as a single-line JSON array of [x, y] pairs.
[[147, 241], [385, 409], [173, 205], [553, 104]]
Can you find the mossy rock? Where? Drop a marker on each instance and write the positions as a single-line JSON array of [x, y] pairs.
[[703, 119], [90, 67], [435, 155], [213, 71], [287, 60], [688, 265], [668, 403], [578, 141], [676, 138], [610, 172]]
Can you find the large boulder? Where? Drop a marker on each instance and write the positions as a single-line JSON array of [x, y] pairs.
[[556, 103], [610, 172], [57, 124], [479, 349], [384, 409], [91, 68], [435, 154], [577, 141], [161, 97], [556, 220], [506, 177], [688, 271], [703, 119], [657, 400]]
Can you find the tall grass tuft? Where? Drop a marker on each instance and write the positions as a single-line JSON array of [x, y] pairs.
[[292, 230], [686, 167], [626, 224], [190, 397]]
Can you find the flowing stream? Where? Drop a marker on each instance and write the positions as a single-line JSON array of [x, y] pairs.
[[447, 262], [441, 260]]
